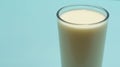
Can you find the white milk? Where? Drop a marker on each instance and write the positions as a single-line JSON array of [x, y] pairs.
[[82, 45]]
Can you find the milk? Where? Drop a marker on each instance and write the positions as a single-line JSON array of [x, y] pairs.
[[82, 38]]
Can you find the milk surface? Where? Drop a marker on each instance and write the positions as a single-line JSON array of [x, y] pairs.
[[82, 16]]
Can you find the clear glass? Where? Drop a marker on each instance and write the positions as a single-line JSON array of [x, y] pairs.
[[81, 46]]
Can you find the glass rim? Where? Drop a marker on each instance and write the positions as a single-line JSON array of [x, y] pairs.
[[97, 7]]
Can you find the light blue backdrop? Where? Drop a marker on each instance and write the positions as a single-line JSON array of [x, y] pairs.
[[29, 37]]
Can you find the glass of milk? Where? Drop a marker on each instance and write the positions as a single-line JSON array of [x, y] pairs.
[[82, 31]]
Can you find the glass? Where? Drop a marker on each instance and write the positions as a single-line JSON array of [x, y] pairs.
[[82, 45]]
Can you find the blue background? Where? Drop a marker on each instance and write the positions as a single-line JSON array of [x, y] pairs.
[[29, 35]]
